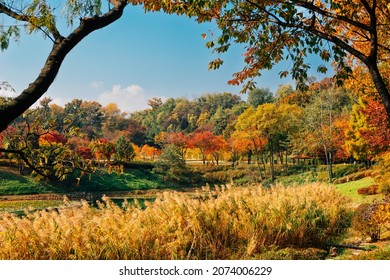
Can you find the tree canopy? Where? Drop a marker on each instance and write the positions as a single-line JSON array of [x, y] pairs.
[[345, 32], [348, 33]]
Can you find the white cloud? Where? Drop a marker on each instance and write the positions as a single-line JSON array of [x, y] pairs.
[[96, 84], [130, 99]]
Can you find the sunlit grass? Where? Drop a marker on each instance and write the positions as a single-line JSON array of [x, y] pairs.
[[350, 189]]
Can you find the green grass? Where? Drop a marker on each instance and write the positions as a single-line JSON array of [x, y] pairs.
[[18, 207], [350, 190], [131, 179], [13, 184]]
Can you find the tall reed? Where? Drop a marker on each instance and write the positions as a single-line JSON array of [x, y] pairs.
[[226, 223]]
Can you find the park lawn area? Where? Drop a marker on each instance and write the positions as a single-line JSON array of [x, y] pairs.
[[350, 189], [12, 183], [131, 179]]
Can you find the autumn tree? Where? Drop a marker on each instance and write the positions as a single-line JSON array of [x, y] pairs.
[[34, 141], [268, 127], [368, 134], [247, 133], [149, 152], [204, 142], [103, 149], [356, 144], [238, 144], [323, 125], [346, 32], [178, 140], [218, 146]]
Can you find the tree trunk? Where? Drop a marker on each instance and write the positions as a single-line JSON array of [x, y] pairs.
[[380, 86], [61, 47], [286, 159], [272, 168]]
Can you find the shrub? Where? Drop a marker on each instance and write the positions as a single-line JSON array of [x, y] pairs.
[[383, 173], [373, 219], [226, 223], [370, 190], [171, 165], [342, 170]]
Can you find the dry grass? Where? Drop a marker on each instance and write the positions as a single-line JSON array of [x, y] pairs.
[[227, 223]]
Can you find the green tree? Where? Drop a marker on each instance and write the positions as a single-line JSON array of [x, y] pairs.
[[124, 149], [260, 96], [171, 164]]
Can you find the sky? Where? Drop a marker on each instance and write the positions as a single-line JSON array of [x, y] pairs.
[[139, 57]]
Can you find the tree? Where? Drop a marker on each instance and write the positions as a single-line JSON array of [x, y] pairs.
[[248, 133], [368, 134], [171, 164], [357, 146], [259, 96], [218, 145], [204, 142], [124, 149], [149, 152], [39, 15], [342, 30], [322, 125], [35, 140]]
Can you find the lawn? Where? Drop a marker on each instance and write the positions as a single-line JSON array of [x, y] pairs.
[[350, 189]]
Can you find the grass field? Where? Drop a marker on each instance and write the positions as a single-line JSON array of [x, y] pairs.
[[11, 183], [350, 190]]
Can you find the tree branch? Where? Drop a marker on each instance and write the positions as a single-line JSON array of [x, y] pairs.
[[311, 29], [12, 109], [25, 160], [30, 19]]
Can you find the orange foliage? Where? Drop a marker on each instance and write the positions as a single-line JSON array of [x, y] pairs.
[[51, 138], [149, 152], [378, 134]]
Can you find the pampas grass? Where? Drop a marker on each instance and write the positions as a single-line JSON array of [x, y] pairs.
[[225, 223]]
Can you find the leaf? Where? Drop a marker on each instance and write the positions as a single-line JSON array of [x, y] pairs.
[[283, 74], [215, 64], [322, 69]]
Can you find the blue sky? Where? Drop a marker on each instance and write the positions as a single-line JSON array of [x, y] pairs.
[[140, 57]]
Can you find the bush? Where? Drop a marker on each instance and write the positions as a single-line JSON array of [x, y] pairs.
[[372, 219], [342, 170], [354, 177], [171, 165], [370, 190], [383, 170], [137, 165]]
